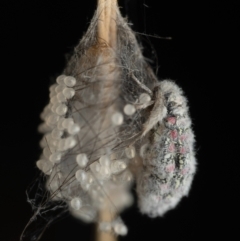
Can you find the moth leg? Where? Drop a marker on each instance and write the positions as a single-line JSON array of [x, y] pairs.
[[140, 106], [144, 105], [158, 112]]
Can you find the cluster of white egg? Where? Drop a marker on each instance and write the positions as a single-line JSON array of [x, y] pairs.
[[88, 184], [55, 124]]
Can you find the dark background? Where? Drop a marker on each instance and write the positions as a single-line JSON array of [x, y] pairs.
[[203, 58]]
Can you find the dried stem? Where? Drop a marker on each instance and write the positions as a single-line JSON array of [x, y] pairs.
[[107, 22], [107, 216], [107, 39]]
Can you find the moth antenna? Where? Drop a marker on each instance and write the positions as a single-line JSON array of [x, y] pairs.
[[144, 87]]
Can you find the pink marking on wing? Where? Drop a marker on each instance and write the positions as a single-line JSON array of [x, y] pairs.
[[183, 150], [170, 168], [183, 137], [174, 134], [171, 147], [171, 120], [184, 171]]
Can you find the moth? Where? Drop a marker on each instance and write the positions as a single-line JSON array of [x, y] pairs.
[[168, 158]]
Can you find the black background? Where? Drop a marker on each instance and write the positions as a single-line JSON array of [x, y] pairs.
[[203, 58]]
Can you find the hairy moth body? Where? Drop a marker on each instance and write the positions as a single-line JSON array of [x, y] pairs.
[[168, 156]]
